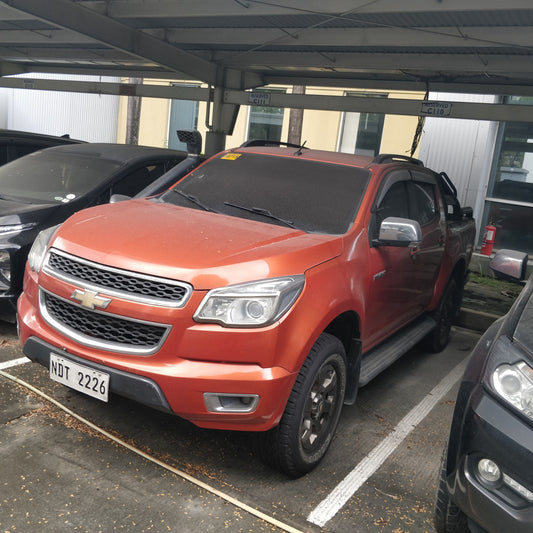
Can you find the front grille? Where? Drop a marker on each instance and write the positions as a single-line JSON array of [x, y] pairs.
[[147, 289], [102, 330]]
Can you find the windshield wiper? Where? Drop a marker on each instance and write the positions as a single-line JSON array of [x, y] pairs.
[[262, 212], [195, 201]]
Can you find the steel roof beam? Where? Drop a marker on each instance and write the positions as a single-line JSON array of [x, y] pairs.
[[452, 64], [98, 87], [103, 29], [325, 38], [392, 106], [419, 84], [210, 8]]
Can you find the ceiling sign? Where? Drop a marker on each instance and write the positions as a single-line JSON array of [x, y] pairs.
[[436, 109], [259, 99]]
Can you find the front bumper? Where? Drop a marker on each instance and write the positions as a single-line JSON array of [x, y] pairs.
[[179, 390], [494, 433], [171, 384]]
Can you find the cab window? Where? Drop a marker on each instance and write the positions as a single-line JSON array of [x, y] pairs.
[[423, 201]]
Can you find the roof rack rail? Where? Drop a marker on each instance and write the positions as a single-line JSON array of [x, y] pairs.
[[265, 142], [391, 158], [449, 183]]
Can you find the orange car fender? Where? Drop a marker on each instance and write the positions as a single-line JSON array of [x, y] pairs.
[[326, 295]]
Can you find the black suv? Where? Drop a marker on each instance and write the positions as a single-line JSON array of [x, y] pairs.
[[15, 144], [486, 478], [44, 188]]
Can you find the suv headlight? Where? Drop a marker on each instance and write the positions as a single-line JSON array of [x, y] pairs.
[[39, 248], [514, 383], [16, 228], [254, 304], [5, 265]]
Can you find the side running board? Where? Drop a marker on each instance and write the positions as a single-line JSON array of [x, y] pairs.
[[381, 357]]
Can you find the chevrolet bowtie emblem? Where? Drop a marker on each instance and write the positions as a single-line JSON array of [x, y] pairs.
[[90, 299]]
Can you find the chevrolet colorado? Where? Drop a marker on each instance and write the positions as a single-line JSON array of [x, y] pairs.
[[257, 294]]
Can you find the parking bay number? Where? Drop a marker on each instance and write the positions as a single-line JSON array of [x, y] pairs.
[[79, 377]]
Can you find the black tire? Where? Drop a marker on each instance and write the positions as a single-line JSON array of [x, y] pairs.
[[448, 517], [312, 412], [444, 316]]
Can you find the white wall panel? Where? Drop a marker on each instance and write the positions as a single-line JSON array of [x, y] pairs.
[[89, 117], [461, 148]]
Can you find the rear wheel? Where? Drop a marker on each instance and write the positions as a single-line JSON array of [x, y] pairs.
[[444, 316], [308, 424], [448, 517]]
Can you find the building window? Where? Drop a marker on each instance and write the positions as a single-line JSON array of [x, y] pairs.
[[509, 202], [266, 122], [361, 132]]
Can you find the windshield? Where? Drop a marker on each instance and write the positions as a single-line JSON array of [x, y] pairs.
[[49, 177], [312, 196]]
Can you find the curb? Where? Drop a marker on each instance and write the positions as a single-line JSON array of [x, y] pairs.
[[475, 320]]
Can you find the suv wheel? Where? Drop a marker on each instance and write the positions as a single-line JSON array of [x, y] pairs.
[[448, 517], [308, 424]]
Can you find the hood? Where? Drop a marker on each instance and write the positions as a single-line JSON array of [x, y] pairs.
[[13, 212], [205, 249]]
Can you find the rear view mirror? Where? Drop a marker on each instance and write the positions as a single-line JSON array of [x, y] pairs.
[[510, 265], [399, 232]]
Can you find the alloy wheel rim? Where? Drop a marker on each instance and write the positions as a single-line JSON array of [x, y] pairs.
[[320, 408]]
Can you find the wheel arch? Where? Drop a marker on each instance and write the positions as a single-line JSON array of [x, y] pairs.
[[458, 273], [347, 328]]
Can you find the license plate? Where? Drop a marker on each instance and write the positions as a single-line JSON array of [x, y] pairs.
[[79, 377]]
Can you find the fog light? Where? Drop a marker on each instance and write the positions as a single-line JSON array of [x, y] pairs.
[[489, 471], [230, 403]]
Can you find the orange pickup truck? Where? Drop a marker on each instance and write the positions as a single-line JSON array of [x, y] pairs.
[[257, 294]]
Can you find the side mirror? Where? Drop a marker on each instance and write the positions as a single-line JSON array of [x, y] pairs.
[[399, 232], [467, 212], [510, 265]]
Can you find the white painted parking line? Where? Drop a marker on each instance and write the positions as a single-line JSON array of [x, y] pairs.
[[184, 475], [329, 507], [14, 362]]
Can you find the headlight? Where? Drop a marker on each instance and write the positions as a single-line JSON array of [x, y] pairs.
[[15, 228], [5, 265], [514, 383], [40, 245], [255, 304]]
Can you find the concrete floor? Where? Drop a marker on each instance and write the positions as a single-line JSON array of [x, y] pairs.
[[58, 474]]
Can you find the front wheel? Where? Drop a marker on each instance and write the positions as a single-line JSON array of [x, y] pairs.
[[448, 517], [310, 418]]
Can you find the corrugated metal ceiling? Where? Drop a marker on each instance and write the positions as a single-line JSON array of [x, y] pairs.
[[413, 44]]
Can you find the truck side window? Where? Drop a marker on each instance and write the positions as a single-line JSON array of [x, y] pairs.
[[423, 201], [395, 203]]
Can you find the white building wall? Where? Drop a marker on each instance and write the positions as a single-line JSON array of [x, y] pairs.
[[463, 149], [89, 117]]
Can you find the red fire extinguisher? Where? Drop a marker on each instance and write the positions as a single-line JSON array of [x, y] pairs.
[[488, 240]]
